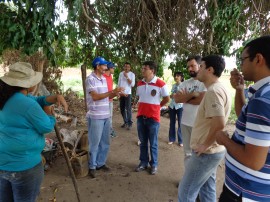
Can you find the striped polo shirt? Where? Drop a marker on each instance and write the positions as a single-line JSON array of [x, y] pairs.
[[149, 97], [96, 109], [252, 127]]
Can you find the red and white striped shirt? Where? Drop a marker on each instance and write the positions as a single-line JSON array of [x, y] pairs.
[[149, 97]]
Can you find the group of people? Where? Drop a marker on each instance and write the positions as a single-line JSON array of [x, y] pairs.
[[246, 153], [202, 106], [149, 91]]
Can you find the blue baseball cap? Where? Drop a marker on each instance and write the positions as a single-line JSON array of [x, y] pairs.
[[99, 61], [110, 65]]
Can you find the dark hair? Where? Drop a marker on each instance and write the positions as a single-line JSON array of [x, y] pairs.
[[260, 45], [195, 57], [215, 61], [152, 65], [127, 63], [179, 74], [6, 92]]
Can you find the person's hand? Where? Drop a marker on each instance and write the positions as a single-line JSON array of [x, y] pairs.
[[237, 80], [123, 94], [61, 101], [125, 75], [118, 91], [221, 136], [183, 91], [48, 110], [201, 148], [195, 94]]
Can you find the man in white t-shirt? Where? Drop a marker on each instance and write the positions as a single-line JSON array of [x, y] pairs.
[[213, 113], [190, 94]]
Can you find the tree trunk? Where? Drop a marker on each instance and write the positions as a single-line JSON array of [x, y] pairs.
[[83, 71]]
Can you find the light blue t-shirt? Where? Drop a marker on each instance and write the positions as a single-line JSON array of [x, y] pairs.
[[22, 125], [174, 105]]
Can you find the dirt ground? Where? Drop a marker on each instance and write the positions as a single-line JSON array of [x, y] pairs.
[[122, 184]]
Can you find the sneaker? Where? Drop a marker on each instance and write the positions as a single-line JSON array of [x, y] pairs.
[[104, 168], [92, 173], [128, 127], [170, 142], [123, 126], [181, 145], [140, 168], [113, 134], [139, 143], [153, 170]]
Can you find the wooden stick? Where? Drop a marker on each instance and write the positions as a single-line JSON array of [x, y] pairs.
[[71, 172]]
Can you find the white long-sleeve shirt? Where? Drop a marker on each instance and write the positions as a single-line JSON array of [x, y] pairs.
[[123, 82]]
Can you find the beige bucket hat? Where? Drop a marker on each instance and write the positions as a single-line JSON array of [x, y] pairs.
[[22, 74]]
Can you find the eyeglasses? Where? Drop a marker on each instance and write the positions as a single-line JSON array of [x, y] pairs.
[[242, 59]]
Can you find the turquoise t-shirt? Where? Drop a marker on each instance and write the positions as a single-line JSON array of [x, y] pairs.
[[23, 124]]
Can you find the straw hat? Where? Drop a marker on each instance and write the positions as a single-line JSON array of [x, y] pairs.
[[21, 74]]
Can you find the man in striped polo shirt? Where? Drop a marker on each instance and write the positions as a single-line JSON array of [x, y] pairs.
[[98, 115], [247, 176], [150, 90]]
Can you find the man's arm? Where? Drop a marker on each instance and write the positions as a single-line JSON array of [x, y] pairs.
[[239, 101], [99, 96], [59, 99], [249, 155], [119, 79], [217, 124], [164, 101], [132, 79], [194, 98], [129, 80]]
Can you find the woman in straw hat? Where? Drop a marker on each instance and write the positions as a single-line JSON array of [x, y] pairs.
[[23, 121]]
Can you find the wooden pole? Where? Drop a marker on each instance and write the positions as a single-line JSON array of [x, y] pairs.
[[83, 71], [68, 162]]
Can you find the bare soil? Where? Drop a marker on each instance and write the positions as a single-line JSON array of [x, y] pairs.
[[122, 184]]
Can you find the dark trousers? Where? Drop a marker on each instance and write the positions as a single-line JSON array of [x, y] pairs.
[[228, 196], [125, 108], [172, 131]]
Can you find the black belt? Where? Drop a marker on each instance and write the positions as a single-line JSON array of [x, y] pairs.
[[145, 117]]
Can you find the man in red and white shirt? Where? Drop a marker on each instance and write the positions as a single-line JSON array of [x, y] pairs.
[[150, 90], [108, 75]]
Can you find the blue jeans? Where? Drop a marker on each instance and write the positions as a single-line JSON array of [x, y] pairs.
[[125, 108], [200, 177], [148, 131], [21, 186], [111, 115], [173, 113], [99, 141]]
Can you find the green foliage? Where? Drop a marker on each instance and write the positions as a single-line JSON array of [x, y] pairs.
[[226, 18], [180, 64], [233, 116], [28, 25], [133, 31]]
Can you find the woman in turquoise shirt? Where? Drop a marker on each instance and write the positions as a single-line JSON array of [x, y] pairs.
[[24, 119], [175, 109]]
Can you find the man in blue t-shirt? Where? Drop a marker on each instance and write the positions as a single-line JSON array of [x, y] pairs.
[[247, 176]]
